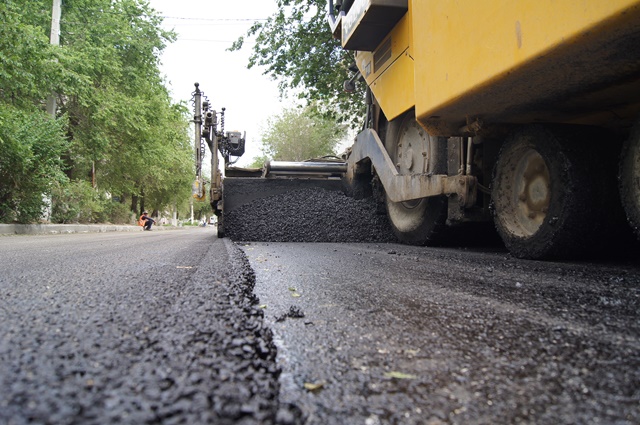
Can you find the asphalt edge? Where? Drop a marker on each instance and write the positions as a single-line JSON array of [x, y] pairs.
[[52, 229], [287, 413]]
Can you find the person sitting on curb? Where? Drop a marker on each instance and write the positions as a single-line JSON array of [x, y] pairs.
[[148, 221]]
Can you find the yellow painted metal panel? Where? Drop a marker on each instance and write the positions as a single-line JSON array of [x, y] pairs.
[[463, 46], [394, 88], [392, 84]]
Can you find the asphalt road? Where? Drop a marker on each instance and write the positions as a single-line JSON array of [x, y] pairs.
[[176, 327], [132, 328], [393, 334]]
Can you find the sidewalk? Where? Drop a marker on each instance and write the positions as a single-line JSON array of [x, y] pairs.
[[46, 229]]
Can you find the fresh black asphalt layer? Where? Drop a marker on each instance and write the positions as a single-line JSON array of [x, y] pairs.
[[129, 328], [309, 215]]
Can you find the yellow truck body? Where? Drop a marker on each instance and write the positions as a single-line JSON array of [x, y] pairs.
[[507, 61]]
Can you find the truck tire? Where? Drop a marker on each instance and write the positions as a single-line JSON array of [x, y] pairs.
[[546, 199], [630, 179], [414, 151], [220, 226]]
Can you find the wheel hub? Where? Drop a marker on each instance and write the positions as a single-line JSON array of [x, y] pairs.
[[531, 191], [412, 156], [412, 152]]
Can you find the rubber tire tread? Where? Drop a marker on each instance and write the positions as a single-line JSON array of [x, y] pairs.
[[630, 189], [581, 204]]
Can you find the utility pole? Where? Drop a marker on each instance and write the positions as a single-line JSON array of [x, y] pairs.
[[54, 40]]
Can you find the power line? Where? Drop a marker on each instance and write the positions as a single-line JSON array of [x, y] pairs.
[[221, 21], [182, 18], [215, 19], [208, 41], [165, 24]]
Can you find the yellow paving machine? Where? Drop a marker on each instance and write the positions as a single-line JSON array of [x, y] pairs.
[[524, 113]]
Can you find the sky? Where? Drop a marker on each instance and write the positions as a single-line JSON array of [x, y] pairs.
[[206, 29]]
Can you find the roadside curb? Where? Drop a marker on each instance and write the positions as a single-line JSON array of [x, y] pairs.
[[50, 229]]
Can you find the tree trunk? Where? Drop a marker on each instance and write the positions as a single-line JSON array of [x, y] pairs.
[[141, 201], [134, 203]]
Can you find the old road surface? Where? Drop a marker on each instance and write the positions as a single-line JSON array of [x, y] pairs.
[[412, 335], [174, 327]]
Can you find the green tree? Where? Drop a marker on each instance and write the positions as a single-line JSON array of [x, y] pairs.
[[26, 58], [296, 47], [125, 128], [168, 179], [121, 113], [116, 131], [30, 148], [300, 134], [258, 161], [30, 142]]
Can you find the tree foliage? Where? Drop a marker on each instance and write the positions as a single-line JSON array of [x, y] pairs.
[[296, 47], [115, 128], [300, 134], [30, 149]]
